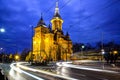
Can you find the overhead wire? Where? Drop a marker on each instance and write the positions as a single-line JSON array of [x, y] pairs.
[[67, 2], [97, 12]]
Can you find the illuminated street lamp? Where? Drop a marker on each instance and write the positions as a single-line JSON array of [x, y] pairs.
[[102, 57], [102, 51], [115, 52], [17, 57], [1, 48], [82, 47], [2, 30]]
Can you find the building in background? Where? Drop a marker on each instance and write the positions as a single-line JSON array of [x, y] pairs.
[[50, 43]]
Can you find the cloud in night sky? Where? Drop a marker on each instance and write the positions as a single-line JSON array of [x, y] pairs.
[[85, 20]]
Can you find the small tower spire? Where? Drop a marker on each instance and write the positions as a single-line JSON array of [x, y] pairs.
[[67, 34], [41, 21], [41, 17]]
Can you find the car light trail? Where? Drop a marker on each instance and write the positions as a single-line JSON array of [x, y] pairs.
[[21, 71], [44, 72], [66, 64], [15, 68]]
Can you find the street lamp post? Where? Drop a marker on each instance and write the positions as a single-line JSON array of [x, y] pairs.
[[102, 51], [2, 30], [1, 50], [82, 47]]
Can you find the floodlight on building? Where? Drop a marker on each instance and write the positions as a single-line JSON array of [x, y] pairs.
[[34, 42]]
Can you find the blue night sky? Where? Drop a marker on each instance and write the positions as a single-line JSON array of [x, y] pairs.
[[85, 20]]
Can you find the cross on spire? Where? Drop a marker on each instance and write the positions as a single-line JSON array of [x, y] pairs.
[[57, 4], [56, 9]]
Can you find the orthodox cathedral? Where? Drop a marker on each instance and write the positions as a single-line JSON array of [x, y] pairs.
[[49, 42]]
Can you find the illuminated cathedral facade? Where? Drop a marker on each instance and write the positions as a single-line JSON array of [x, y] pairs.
[[49, 42]]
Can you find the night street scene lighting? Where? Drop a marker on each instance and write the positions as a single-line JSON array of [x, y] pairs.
[[60, 40]]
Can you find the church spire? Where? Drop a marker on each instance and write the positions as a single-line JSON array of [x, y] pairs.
[[49, 27], [56, 20], [57, 11], [67, 36], [41, 21]]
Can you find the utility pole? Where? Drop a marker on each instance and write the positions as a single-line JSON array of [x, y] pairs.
[[102, 50], [102, 40]]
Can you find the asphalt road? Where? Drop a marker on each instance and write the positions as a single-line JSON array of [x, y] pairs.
[[65, 70], [15, 75], [26, 73], [86, 74]]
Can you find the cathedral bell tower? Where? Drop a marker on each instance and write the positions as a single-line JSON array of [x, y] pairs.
[[56, 20]]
